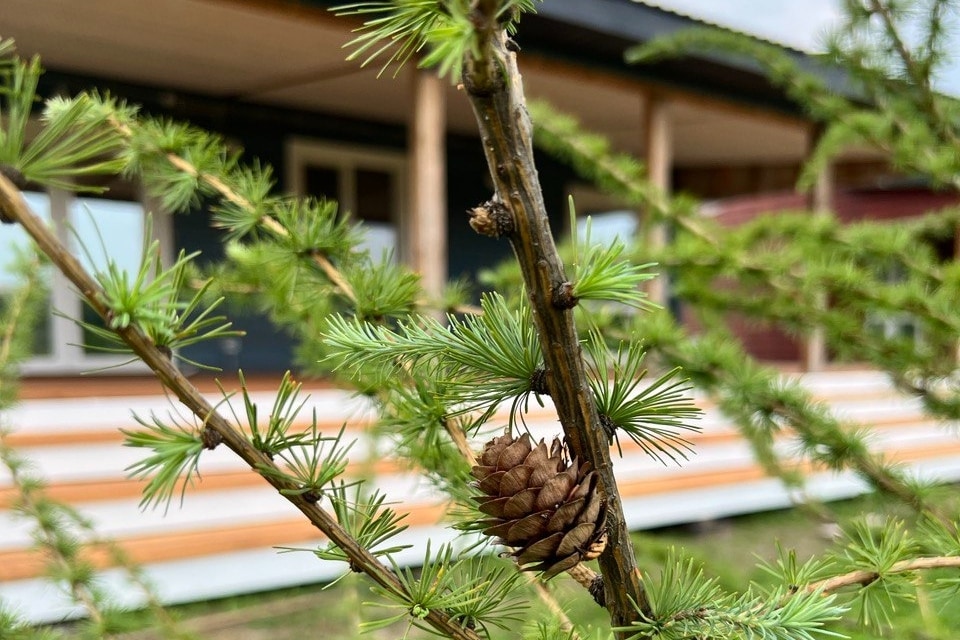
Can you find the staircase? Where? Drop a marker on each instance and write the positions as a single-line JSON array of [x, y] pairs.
[[223, 538]]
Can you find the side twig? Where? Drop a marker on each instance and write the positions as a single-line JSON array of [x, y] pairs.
[[864, 577], [229, 194]]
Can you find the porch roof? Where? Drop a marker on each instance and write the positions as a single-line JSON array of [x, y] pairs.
[[290, 54]]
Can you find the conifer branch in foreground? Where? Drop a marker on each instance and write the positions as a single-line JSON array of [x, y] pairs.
[[217, 430]]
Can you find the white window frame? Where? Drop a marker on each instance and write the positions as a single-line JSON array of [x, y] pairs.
[[590, 201], [67, 356], [891, 324], [347, 160]]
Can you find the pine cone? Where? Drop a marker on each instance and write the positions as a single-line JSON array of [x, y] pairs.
[[549, 510]]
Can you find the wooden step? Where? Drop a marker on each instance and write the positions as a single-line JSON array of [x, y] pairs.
[[120, 385], [28, 563], [121, 488], [58, 416], [19, 564], [25, 437], [112, 487]]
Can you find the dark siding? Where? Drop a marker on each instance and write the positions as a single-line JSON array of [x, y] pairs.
[[263, 132], [469, 184]]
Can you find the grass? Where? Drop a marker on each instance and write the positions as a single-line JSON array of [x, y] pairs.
[[730, 550]]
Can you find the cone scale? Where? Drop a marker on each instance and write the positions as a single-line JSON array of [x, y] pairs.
[[544, 506]]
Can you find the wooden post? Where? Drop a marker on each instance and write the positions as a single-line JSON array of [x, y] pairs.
[[956, 242], [819, 200], [426, 239], [658, 137], [956, 258]]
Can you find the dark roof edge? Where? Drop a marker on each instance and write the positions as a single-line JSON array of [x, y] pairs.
[[635, 22], [639, 22]]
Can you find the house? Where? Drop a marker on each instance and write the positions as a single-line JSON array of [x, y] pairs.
[[851, 204], [400, 153]]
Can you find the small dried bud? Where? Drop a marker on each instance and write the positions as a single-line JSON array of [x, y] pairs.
[[13, 175], [596, 590], [211, 438], [538, 382], [563, 297], [491, 219], [609, 427]]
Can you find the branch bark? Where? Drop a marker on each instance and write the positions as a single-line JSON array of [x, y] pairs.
[[864, 577], [494, 87], [13, 206]]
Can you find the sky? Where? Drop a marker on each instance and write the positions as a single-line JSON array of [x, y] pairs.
[[797, 23]]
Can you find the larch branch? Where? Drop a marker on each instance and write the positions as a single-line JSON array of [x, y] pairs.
[[864, 577], [494, 87], [13, 206]]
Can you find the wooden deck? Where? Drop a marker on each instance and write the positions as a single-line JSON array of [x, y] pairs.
[[231, 522]]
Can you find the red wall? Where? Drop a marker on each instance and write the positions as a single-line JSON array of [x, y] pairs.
[[770, 343]]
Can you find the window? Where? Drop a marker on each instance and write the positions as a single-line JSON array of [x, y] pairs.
[[612, 219], [93, 227], [367, 184], [14, 241], [893, 324], [609, 218]]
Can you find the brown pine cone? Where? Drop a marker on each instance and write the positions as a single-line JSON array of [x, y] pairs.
[[549, 510]]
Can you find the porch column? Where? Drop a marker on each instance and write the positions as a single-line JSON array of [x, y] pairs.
[[820, 199], [956, 242], [956, 258], [658, 136], [426, 236]]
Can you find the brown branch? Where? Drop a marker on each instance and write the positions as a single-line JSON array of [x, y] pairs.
[[14, 207], [494, 87], [864, 577], [272, 225], [459, 437]]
